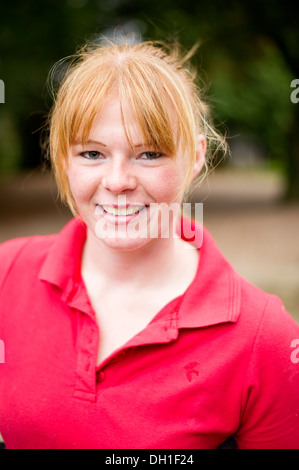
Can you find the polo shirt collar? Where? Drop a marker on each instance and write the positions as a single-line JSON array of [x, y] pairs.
[[212, 298], [63, 262]]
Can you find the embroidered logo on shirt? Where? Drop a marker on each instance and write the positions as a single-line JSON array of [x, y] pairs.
[[190, 370]]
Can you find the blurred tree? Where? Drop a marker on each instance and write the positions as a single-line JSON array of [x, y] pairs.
[[33, 35], [278, 20]]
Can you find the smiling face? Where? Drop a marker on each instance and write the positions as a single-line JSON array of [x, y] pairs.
[[118, 184]]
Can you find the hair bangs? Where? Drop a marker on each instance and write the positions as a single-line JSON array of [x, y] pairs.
[[88, 101], [162, 108], [142, 97]]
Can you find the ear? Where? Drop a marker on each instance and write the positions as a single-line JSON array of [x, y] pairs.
[[200, 155]]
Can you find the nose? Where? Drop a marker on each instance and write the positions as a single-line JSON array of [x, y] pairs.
[[120, 176]]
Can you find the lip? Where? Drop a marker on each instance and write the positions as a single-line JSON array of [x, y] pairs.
[[120, 219]]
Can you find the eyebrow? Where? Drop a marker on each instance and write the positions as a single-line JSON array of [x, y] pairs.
[[92, 141]]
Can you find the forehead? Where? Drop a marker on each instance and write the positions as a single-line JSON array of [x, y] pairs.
[[110, 119], [117, 119]]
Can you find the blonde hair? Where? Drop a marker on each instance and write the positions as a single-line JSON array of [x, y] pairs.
[[146, 77]]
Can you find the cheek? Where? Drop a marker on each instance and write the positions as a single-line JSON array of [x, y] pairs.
[[164, 185], [82, 184]]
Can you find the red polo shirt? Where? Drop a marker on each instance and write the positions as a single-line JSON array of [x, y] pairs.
[[214, 362]]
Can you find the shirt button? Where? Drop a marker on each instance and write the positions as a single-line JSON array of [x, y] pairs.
[[101, 376], [91, 336], [121, 355]]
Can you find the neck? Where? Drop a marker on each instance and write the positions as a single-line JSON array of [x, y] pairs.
[[146, 265]]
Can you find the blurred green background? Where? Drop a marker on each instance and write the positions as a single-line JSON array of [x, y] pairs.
[[247, 60]]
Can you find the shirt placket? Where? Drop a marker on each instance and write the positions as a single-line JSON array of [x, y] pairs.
[[88, 374], [86, 344]]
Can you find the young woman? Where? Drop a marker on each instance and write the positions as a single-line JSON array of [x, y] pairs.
[[129, 329]]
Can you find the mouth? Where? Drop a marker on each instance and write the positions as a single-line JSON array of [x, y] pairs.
[[120, 214], [123, 211]]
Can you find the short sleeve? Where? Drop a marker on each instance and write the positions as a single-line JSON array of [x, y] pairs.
[[270, 417]]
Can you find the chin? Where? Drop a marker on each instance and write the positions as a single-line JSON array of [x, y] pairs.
[[121, 237], [125, 244]]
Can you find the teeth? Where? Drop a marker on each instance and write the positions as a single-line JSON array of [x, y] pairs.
[[122, 210]]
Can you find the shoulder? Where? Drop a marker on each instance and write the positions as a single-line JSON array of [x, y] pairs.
[[270, 410], [256, 310], [264, 314], [270, 331], [23, 252], [265, 335]]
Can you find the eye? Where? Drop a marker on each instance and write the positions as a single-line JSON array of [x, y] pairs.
[[91, 155], [151, 155]]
